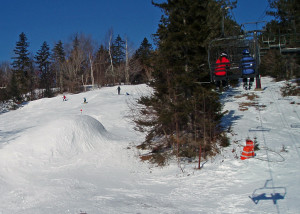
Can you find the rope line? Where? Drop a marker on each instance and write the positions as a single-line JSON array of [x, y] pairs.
[[278, 161]]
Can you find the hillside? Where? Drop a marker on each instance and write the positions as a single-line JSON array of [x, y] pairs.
[[68, 157]]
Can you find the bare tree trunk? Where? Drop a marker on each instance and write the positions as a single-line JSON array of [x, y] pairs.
[[200, 151], [110, 56], [61, 83], [84, 83], [204, 130], [127, 65], [92, 70]]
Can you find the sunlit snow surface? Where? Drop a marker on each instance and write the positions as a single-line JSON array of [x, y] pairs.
[[70, 157]]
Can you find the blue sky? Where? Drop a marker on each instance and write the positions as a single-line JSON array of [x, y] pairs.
[[53, 20]]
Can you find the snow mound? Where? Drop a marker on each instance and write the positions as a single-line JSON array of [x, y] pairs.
[[65, 138]]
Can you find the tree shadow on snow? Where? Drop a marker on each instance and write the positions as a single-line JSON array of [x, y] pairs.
[[6, 137], [268, 193], [229, 119]]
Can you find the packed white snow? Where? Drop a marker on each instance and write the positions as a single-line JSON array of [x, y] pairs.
[[69, 157]]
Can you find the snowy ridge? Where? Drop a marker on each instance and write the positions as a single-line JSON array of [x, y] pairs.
[[70, 136]]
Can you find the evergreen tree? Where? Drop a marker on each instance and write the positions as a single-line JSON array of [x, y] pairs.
[[43, 60], [102, 63], [58, 52], [287, 14], [140, 63], [118, 59], [143, 53], [284, 29], [58, 58], [182, 108], [14, 91], [21, 64], [118, 51]]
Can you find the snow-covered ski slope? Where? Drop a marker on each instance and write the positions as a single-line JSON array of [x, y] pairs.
[[55, 158]]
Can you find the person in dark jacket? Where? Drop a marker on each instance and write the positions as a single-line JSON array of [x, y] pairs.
[[119, 89], [221, 69], [248, 67]]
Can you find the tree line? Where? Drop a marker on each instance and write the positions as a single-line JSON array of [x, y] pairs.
[[283, 31], [70, 67]]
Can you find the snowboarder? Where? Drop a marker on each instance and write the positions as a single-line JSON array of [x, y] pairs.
[[84, 100], [222, 67], [248, 67], [64, 98], [119, 89]]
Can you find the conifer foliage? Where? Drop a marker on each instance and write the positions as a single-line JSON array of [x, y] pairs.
[[43, 61], [58, 58], [182, 115], [283, 31], [21, 68], [141, 63]]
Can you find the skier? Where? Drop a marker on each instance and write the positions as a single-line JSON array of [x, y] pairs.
[[222, 67], [248, 67], [84, 100], [64, 98], [119, 89]]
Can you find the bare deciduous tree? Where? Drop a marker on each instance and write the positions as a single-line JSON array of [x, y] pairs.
[[126, 63], [110, 55]]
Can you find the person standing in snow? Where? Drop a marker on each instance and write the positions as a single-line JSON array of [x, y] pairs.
[[84, 100], [64, 98], [119, 89], [248, 67], [222, 67]]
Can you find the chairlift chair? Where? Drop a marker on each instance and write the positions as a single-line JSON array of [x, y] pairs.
[[268, 193], [286, 43], [233, 46]]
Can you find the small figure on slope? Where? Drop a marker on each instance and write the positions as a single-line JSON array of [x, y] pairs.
[[119, 89], [84, 100], [64, 98]]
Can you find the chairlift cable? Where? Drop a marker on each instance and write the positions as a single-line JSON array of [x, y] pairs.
[[263, 13], [268, 159], [233, 15], [285, 123]]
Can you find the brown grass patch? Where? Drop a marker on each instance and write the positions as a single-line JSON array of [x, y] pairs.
[[146, 157], [250, 96], [246, 105]]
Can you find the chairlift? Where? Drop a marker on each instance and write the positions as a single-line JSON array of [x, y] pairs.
[[279, 43], [285, 98], [234, 47], [268, 193], [285, 43], [295, 125], [268, 41], [259, 129]]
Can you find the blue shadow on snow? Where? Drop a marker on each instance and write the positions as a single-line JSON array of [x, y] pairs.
[[268, 193]]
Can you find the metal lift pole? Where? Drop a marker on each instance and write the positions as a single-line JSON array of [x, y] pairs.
[[258, 83]]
